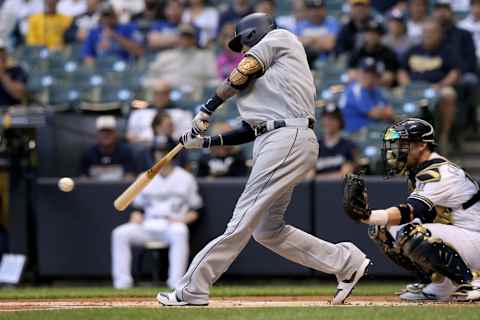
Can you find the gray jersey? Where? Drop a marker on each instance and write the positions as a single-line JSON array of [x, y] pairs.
[[286, 90]]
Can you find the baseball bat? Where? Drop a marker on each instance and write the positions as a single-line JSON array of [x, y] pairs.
[[143, 180]]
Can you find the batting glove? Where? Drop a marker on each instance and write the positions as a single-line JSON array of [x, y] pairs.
[[192, 140], [200, 122]]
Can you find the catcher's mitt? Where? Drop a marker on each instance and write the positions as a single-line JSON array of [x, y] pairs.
[[355, 199]]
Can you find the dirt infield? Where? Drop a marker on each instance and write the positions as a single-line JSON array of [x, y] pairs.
[[237, 302]]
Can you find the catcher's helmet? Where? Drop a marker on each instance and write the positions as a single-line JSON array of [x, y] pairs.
[[250, 30], [397, 140]]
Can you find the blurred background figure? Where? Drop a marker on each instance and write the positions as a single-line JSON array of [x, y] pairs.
[[14, 16], [226, 58], [297, 13], [72, 8], [236, 10], [186, 67], [460, 42], [204, 18], [146, 20], [350, 35], [165, 34], [266, 6], [112, 39], [13, 80], [127, 8], [84, 23], [417, 13], [224, 161], [337, 155], [397, 38], [363, 102], [472, 24], [109, 159], [373, 48], [434, 63], [317, 31], [164, 210], [139, 128], [48, 28]]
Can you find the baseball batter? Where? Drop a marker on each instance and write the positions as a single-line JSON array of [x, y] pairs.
[[436, 232], [275, 97]]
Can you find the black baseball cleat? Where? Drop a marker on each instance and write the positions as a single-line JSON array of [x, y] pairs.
[[345, 287]]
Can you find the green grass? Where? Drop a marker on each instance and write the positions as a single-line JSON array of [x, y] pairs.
[[298, 288], [344, 313]]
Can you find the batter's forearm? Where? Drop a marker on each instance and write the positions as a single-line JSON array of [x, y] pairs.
[[235, 137], [226, 91]]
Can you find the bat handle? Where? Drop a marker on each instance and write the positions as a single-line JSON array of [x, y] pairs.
[[153, 171]]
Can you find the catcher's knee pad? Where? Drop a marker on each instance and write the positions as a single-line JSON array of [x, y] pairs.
[[382, 237], [432, 254]]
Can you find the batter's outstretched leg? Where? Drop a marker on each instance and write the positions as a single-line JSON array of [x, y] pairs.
[[344, 260]]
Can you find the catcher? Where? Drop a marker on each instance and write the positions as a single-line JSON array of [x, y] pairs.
[[436, 232]]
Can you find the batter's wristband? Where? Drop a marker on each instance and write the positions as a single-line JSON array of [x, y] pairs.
[[212, 104]]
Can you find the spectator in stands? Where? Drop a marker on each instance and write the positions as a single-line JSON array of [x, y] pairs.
[[109, 159], [266, 6], [14, 15], [164, 209], [363, 102], [397, 38], [12, 80], [235, 11], [297, 13], [82, 24], [337, 155], [165, 34], [383, 6], [161, 130], [225, 161], [72, 8], [373, 48], [112, 38], [186, 67], [434, 63], [418, 13], [125, 9], [349, 37], [317, 32], [461, 43], [459, 40], [472, 24], [48, 28], [203, 18], [148, 18], [139, 128], [227, 60]]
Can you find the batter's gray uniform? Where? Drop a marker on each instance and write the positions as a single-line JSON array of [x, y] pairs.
[[281, 158]]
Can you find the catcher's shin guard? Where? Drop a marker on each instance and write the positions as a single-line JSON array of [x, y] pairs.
[[383, 238], [432, 254]]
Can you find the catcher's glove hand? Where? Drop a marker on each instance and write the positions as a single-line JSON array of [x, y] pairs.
[[355, 198]]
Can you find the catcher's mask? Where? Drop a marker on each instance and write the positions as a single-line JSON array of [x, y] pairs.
[[397, 143]]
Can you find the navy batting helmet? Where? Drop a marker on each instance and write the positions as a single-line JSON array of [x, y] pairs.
[[250, 30]]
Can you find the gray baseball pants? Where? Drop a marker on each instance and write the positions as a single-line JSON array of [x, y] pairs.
[[281, 158]]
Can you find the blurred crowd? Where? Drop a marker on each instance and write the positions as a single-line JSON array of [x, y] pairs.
[[382, 47]]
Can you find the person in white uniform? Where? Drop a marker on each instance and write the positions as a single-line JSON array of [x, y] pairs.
[[436, 232], [275, 98], [169, 204]]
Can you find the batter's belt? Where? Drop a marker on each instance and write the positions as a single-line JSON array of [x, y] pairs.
[[270, 125]]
